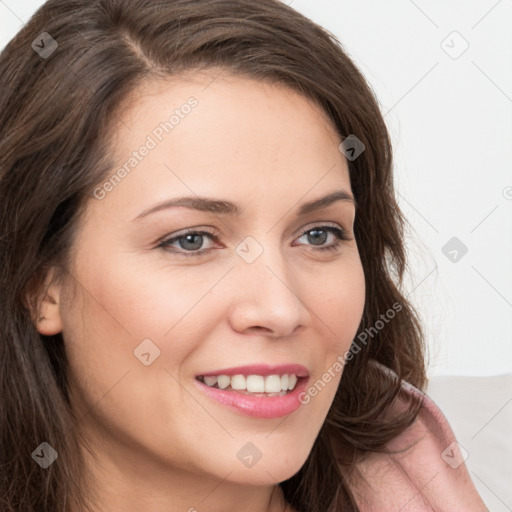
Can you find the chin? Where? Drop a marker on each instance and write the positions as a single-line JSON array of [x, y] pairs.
[[277, 467]]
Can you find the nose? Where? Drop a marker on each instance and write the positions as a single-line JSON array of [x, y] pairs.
[[268, 296]]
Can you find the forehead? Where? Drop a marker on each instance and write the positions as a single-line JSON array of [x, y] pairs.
[[225, 135]]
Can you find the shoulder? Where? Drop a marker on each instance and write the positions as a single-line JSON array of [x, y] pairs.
[[424, 472]]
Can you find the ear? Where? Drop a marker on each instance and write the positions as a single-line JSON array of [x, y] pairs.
[[46, 305]]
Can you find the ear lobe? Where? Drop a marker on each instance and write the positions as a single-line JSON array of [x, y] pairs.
[[45, 306]]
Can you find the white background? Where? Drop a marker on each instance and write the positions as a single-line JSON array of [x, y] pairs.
[[450, 119]]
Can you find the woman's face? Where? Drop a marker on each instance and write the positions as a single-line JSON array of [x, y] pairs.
[[267, 287]]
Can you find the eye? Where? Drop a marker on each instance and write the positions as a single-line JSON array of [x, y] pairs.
[[319, 234], [189, 242]]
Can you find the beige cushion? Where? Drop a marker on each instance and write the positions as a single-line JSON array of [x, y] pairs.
[[479, 410]]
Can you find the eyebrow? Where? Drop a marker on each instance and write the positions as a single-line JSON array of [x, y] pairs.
[[206, 204]]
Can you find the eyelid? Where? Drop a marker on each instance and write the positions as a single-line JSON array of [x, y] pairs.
[[322, 224], [189, 231]]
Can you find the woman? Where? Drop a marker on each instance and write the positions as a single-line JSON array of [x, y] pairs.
[[202, 264]]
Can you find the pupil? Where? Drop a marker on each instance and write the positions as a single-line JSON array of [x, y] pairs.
[[321, 238], [188, 238]]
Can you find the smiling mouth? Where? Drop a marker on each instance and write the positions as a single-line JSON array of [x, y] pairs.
[[253, 385]]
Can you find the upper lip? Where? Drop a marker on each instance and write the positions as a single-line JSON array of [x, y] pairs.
[[261, 369]]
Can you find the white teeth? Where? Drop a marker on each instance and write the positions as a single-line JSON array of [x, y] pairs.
[[211, 381], [254, 383], [223, 381], [238, 382], [272, 384], [284, 382]]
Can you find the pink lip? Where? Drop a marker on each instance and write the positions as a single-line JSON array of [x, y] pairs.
[[257, 406], [261, 369]]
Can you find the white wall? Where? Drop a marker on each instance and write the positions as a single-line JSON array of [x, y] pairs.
[[451, 124]]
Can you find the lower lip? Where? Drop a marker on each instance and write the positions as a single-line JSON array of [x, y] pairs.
[[257, 406]]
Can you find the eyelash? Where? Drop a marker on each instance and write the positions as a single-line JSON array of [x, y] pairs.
[[339, 233]]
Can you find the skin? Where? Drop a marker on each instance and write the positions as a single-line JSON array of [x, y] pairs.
[[159, 443]]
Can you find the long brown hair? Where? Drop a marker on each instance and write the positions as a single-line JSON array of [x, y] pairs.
[[56, 112]]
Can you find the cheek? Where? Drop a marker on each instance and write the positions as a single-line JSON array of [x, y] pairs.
[[339, 309], [114, 311], [140, 302], [121, 304], [341, 305]]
